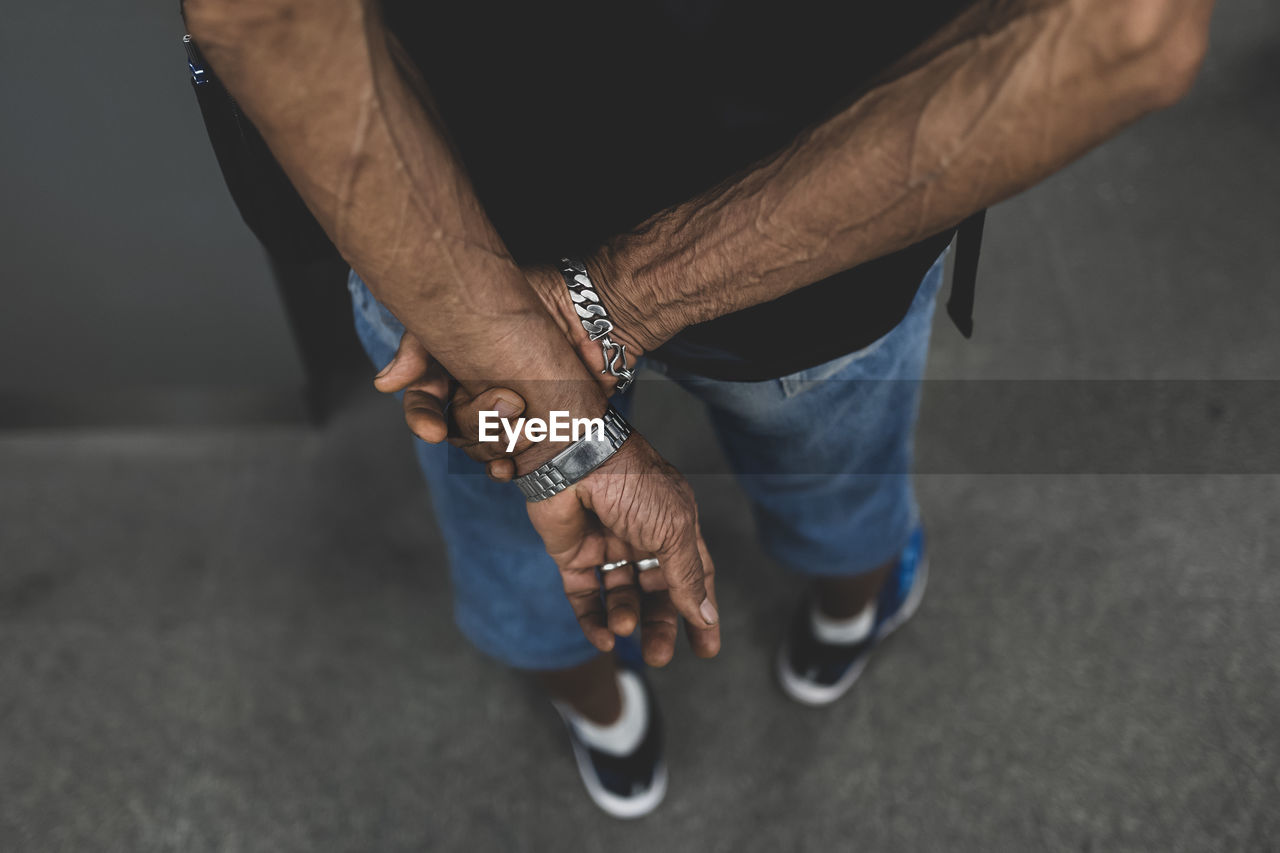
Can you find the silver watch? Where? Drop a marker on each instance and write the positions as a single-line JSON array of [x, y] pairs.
[[575, 461]]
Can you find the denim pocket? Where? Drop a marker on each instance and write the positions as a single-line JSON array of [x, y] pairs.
[[910, 336], [798, 383]]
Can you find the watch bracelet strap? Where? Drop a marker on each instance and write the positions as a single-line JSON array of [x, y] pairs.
[[575, 461]]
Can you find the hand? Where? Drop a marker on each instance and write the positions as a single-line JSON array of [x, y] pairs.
[[635, 505], [428, 392], [427, 387]]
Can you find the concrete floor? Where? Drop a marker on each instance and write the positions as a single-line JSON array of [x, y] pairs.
[[241, 639]]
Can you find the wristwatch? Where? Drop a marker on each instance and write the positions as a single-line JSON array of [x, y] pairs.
[[575, 461]]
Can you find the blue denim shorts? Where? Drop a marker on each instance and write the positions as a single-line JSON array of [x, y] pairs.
[[823, 455]]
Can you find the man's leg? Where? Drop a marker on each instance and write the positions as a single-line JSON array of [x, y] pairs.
[[846, 597], [824, 456], [509, 598]]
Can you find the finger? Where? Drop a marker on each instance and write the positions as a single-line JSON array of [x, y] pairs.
[[683, 570], [573, 539], [408, 365], [502, 470], [658, 627], [652, 581], [494, 447], [466, 417], [582, 588], [705, 642], [424, 414], [621, 594]]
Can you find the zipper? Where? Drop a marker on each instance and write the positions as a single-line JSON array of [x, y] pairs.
[[199, 74]]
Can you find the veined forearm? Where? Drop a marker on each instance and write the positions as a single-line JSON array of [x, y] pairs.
[[322, 83], [1000, 98]]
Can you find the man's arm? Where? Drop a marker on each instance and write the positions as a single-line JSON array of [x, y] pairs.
[[1003, 96], [322, 81]]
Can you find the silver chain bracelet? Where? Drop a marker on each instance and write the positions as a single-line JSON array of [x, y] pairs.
[[595, 320]]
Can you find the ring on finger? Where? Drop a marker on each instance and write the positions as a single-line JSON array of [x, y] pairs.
[[608, 567], [647, 563]]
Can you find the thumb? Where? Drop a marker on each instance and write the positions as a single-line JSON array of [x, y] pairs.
[[407, 366]]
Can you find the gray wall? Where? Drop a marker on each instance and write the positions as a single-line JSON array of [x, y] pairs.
[[127, 269]]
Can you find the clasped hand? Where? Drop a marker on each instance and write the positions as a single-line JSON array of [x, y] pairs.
[[633, 506]]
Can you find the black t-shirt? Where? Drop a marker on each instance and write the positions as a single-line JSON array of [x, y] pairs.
[[579, 120]]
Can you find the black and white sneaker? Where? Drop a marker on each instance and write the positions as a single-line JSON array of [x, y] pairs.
[[818, 670], [622, 764]]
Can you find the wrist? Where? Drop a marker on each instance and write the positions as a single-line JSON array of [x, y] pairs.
[[525, 352], [638, 304], [576, 400], [601, 440], [557, 296]]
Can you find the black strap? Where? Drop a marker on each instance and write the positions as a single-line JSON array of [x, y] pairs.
[[964, 275], [267, 200]]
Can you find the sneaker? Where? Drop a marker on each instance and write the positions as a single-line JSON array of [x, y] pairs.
[[629, 785], [814, 672]]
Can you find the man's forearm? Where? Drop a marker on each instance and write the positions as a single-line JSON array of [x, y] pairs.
[[322, 82], [1003, 96]]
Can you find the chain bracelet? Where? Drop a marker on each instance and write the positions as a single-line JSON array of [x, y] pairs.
[[595, 320]]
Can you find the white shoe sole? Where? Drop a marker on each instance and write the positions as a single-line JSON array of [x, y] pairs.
[[612, 804], [815, 695], [626, 808]]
